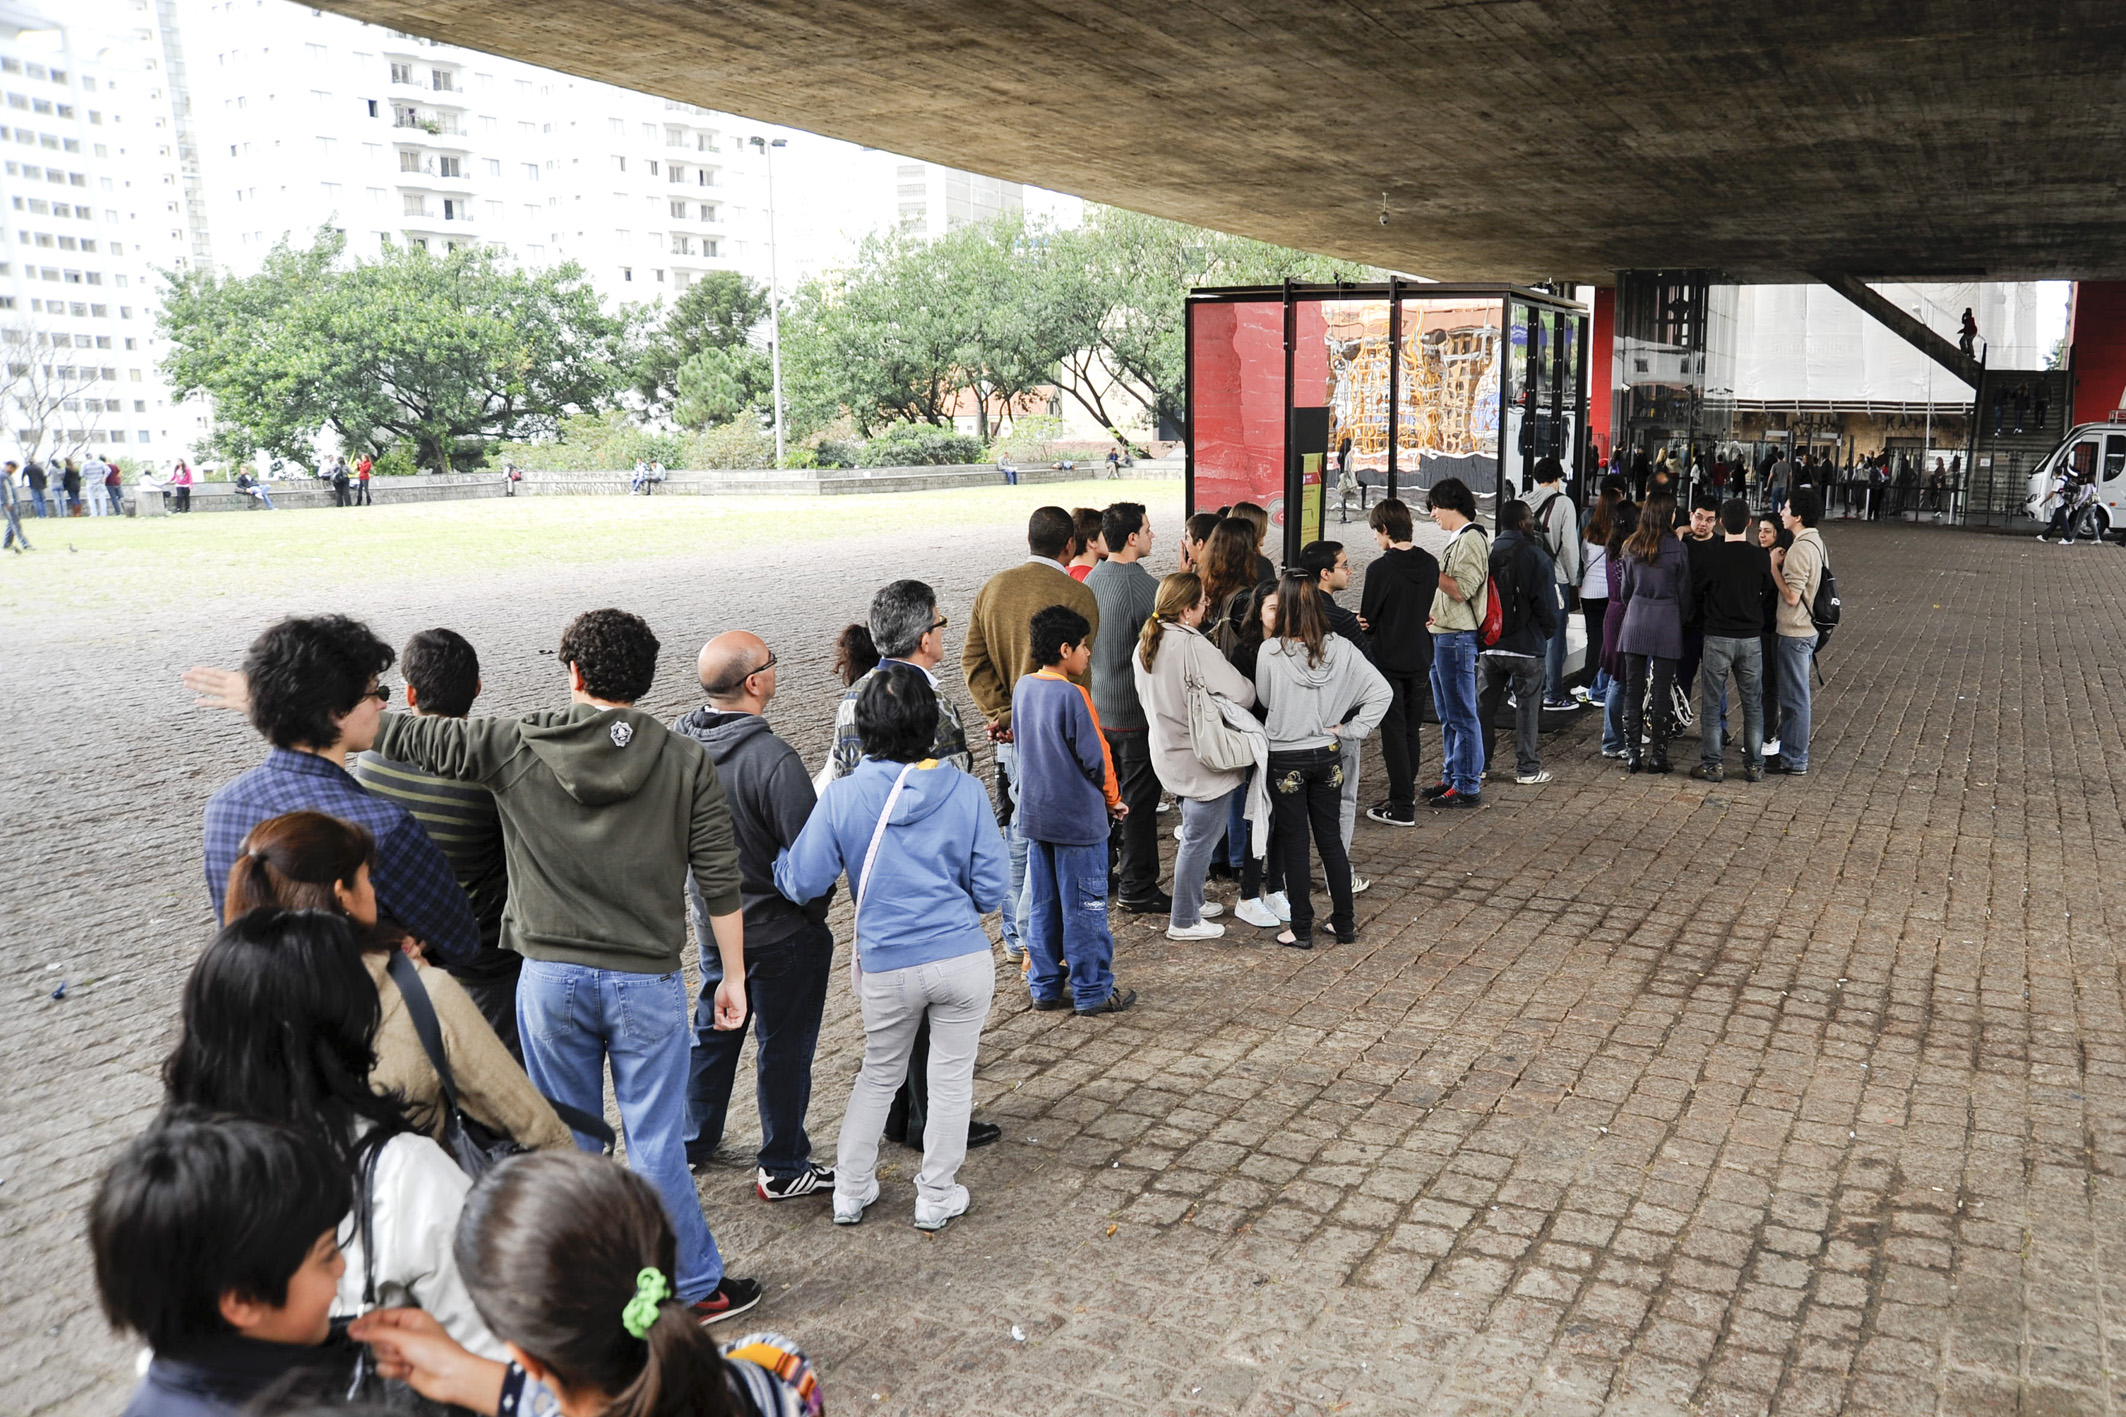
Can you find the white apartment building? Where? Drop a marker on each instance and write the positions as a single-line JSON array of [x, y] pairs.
[[304, 119], [89, 187]]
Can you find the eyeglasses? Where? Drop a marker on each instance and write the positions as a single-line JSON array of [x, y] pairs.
[[381, 693], [938, 624], [765, 667]]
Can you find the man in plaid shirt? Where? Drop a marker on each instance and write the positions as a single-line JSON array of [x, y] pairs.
[[313, 692]]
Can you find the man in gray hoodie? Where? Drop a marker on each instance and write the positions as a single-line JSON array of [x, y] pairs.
[[789, 952]]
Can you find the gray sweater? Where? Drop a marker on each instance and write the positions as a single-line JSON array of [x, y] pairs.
[[1127, 593], [1303, 699]]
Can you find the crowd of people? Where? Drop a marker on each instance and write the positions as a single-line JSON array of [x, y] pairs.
[[439, 932]]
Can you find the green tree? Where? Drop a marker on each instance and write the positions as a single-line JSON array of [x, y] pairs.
[[884, 339], [442, 353], [717, 385], [721, 310]]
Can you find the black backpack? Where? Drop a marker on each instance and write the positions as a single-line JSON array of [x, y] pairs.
[[1824, 610]]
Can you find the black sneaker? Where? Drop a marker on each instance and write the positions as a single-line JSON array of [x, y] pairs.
[[1779, 765], [731, 1298], [1158, 903], [1451, 800], [1049, 1006], [1707, 774], [1117, 1001], [1753, 772], [783, 1188], [982, 1133], [1436, 791], [1392, 816]]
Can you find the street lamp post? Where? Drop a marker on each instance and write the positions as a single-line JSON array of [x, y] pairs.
[[766, 148]]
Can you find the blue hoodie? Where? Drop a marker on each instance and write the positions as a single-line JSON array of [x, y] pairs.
[[940, 868]]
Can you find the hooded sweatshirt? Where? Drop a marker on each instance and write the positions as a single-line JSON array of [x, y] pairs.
[[941, 862], [604, 814], [1304, 699], [1396, 600], [770, 796]]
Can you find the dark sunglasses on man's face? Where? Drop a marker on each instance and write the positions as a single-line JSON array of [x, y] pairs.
[[381, 693]]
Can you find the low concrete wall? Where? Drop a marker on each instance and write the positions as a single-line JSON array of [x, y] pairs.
[[787, 482]]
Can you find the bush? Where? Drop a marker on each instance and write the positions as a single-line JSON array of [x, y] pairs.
[[1032, 438], [608, 442], [397, 461], [919, 445], [835, 452]]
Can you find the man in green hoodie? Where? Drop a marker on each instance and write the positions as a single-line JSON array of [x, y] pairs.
[[604, 813]]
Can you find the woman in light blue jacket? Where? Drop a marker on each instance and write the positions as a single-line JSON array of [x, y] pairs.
[[925, 862]]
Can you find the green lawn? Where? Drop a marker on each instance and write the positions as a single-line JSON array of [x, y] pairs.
[[94, 564]]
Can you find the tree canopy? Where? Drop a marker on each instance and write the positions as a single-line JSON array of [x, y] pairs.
[[719, 312], [444, 353]]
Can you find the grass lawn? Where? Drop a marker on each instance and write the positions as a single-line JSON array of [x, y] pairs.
[[158, 563]]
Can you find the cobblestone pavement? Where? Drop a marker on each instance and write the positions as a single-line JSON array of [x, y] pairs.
[[1637, 1095]]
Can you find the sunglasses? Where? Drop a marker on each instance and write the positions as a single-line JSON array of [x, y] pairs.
[[381, 693]]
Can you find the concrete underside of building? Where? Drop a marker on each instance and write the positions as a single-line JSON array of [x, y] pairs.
[[1769, 141]]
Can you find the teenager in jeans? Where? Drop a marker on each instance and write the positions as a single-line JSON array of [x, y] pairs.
[[1458, 607], [1318, 689], [925, 862], [1800, 571], [590, 796]]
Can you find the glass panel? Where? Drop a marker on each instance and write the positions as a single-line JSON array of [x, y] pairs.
[[2114, 456], [1448, 425], [1237, 393]]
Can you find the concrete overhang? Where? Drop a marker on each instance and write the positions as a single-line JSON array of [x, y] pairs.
[[1518, 141]]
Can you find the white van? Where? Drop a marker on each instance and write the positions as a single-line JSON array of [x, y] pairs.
[[2089, 449]]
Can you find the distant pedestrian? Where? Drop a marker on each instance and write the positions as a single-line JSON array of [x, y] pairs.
[[1528, 619], [1735, 593], [114, 488], [1330, 566], [181, 479], [1594, 585], [10, 506], [33, 474], [70, 487], [1623, 522], [342, 481], [1393, 608], [1774, 539], [362, 472], [1009, 472], [1967, 335]]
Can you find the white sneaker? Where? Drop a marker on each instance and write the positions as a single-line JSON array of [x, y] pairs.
[[1358, 883], [934, 1215], [1256, 913], [1212, 910], [1534, 779], [1282, 904], [849, 1209], [1201, 930]]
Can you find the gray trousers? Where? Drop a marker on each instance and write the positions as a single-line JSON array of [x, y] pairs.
[[954, 994], [1746, 658], [1525, 674]]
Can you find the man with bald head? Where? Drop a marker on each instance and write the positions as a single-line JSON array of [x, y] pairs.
[[789, 952]]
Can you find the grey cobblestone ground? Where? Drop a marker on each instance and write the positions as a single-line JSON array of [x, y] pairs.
[[1636, 1095]]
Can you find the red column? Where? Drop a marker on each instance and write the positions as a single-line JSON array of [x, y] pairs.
[[1601, 367], [2096, 347]]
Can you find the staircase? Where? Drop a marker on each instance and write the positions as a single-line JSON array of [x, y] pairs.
[[2020, 415]]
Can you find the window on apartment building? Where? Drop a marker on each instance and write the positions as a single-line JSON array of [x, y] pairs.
[[494, 166], [409, 160], [401, 73], [682, 245], [675, 137], [660, 277], [676, 173], [708, 211], [619, 163], [444, 81], [531, 172], [653, 167], [416, 205], [451, 209], [679, 209], [372, 106], [448, 167]]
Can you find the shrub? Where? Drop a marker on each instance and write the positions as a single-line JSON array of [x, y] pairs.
[[919, 445]]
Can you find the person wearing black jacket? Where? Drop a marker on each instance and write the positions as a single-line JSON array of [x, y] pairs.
[[1528, 617], [1735, 595], [789, 950], [1393, 608]]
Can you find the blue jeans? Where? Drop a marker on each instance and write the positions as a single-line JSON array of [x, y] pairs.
[[1068, 939], [1454, 700], [1200, 824], [1745, 658], [37, 501], [1613, 717], [1554, 653], [786, 992], [117, 499], [1797, 657], [572, 1020]]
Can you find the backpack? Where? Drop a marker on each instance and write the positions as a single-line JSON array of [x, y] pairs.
[[1824, 610], [1226, 633], [1493, 624]]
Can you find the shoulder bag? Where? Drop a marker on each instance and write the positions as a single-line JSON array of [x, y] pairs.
[[474, 1145], [1214, 742]]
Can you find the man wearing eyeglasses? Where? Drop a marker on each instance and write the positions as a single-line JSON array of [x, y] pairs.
[[310, 688], [789, 952]]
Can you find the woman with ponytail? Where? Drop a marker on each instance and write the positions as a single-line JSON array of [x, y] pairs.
[[1172, 655], [280, 1025], [570, 1261], [311, 861]]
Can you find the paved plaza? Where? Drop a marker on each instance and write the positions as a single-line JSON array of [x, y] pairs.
[[1636, 1095]]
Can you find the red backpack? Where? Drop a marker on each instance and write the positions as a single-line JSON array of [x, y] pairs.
[[1494, 622]]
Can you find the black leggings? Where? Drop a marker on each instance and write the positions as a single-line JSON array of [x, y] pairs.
[[1664, 678], [1306, 798], [1592, 611]]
